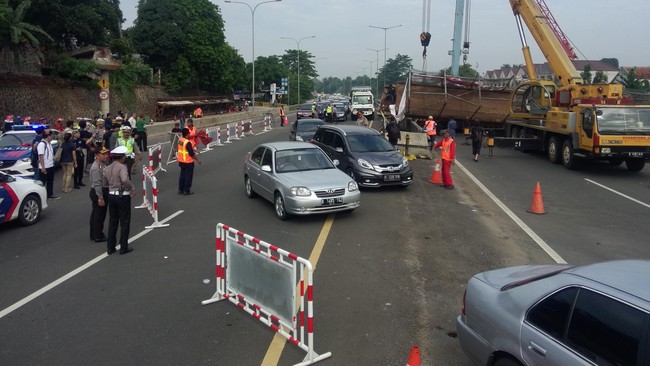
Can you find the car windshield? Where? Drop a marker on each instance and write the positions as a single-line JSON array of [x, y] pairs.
[[624, 121], [309, 126], [339, 107], [296, 160], [305, 107], [369, 143], [24, 139], [361, 99]]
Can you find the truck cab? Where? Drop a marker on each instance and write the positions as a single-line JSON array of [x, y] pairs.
[[362, 100]]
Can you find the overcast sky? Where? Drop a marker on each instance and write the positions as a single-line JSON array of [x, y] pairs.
[[597, 28]]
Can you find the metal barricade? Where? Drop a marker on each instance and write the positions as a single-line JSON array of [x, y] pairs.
[[150, 197]]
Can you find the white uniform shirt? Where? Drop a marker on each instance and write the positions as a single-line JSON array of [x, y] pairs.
[[45, 148]]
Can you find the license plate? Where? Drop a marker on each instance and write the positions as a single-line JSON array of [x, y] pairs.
[[332, 201], [391, 177], [636, 154]]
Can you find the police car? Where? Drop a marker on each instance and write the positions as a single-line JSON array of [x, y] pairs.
[[16, 150], [21, 199]]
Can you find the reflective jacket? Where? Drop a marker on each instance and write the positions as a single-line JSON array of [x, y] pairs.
[[430, 127], [182, 155]]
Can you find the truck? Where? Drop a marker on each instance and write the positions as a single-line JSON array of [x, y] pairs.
[[362, 100], [572, 120]]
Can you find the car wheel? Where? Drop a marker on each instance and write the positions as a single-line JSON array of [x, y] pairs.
[[506, 361], [635, 165], [250, 193], [568, 156], [30, 210], [280, 210], [554, 150]]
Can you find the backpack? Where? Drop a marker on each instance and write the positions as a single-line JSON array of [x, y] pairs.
[[34, 156], [476, 134]]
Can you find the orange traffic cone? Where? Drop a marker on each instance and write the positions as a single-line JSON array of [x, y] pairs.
[[537, 206], [414, 357], [436, 176]]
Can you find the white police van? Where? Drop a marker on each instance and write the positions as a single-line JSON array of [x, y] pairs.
[[22, 199]]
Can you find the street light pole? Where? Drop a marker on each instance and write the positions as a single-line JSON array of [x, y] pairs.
[[370, 77], [252, 9], [377, 55], [385, 31], [298, 45]]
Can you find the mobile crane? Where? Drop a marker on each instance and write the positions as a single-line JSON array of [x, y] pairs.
[[573, 120]]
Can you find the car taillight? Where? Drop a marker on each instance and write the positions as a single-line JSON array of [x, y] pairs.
[[596, 139], [462, 309]]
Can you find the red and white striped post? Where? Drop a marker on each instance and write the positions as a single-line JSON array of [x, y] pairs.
[[150, 197], [228, 134]]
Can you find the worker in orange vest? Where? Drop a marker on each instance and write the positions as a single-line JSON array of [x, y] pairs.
[[283, 117], [198, 112], [430, 128], [193, 136], [448, 155], [186, 157]]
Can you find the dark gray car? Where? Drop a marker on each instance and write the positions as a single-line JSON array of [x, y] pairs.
[[558, 315], [304, 129], [365, 155]]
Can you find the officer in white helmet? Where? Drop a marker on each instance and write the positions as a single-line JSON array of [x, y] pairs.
[[120, 192], [132, 150]]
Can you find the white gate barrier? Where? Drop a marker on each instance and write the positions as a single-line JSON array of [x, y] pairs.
[[155, 158], [173, 139], [150, 196], [215, 134], [268, 121], [263, 280]]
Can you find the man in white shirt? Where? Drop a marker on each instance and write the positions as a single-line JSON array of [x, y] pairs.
[[46, 163]]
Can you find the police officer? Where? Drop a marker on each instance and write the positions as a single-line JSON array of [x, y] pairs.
[[132, 151], [120, 191], [98, 196], [186, 158]]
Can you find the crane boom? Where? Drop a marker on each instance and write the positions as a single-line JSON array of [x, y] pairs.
[[555, 27]]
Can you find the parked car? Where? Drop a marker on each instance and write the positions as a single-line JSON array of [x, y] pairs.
[[21, 199], [304, 129], [365, 155], [16, 150], [304, 111], [299, 179], [558, 315]]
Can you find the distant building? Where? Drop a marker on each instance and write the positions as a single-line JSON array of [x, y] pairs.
[[509, 77]]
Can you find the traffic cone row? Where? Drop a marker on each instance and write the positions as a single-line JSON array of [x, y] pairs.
[[414, 357], [436, 176], [537, 206]]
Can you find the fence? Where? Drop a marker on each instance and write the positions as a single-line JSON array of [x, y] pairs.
[[150, 196], [155, 158]]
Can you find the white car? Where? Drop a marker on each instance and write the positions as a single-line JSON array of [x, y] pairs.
[[16, 150], [22, 199]]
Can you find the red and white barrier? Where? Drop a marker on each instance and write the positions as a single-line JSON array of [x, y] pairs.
[[215, 134], [150, 196], [248, 268], [155, 158], [268, 121]]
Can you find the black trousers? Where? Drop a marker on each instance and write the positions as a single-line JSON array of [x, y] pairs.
[[185, 179], [97, 215], [78, 173], [141, 140], [476, 147], [119, 214], [48, 181], [129, 165]]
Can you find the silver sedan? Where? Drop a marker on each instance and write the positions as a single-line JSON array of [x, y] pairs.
[[299, 179]]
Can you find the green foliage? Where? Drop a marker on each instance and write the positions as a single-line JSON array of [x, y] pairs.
[[600, 78], [307, 73], [122, 49], [71, 68], [586, 74], [631, 82], [464, 71], [17, 33], [396, 69]]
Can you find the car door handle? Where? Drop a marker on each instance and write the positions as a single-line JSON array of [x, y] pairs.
[[536, 348]]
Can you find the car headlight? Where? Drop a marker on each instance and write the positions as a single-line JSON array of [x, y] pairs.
[[298, 138], [364, 164], [300, 191], [405, 162], [605, 150], [352, 186], [25, 160]]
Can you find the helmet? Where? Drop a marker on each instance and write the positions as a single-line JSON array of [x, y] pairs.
[[119, 151]]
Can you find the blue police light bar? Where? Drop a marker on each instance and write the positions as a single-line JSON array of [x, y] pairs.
[[27, 127]]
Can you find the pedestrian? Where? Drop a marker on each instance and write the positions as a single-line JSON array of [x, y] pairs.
[[282, 116], [451, 127], [476, 135], [34, 155], [132, 150], [98, 196], [393, 132], [186, 157], [132, 120], [68, 162], [78, 171], [362, 120], [181, 119], [58, 124], [46, 163], [448, 155], [430, 128], [111, 136], [314, 113], [328, 112], [108, 122], [177, 128], [141, 133], [193, 136], [120, 192]]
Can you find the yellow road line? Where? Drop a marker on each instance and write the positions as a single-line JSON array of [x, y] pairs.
[[274, 351]]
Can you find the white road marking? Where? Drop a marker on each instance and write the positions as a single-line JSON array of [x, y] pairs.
[[73, 273], [542, 244], [618, 193]]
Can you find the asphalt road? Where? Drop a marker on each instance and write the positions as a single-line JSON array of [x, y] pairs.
[[390, 275]]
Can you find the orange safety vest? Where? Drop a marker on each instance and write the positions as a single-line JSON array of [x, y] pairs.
[[182, 155], [445, 152], [281, 112], [430, 127]]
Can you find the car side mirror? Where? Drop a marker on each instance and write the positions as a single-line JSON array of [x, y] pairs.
[[266, 168], [339, 150]]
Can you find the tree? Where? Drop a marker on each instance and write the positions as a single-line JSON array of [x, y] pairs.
[[631, 82], [396, 69], [465, 71], [185, 38], [17, 33], [600, 78], [307, 72], [586, 74], [93, 22]]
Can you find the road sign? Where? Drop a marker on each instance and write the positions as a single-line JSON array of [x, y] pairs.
[[103, 83], [103, 95]]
